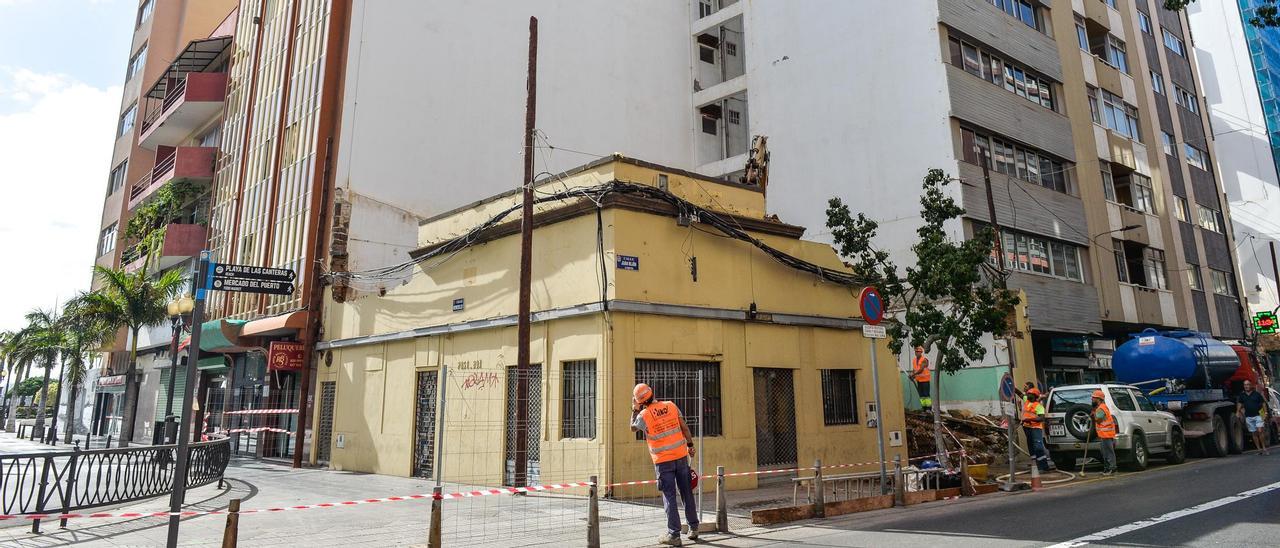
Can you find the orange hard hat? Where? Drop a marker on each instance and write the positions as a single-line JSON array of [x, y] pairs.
[[641, 393], [1035, 391], [1098, 394]]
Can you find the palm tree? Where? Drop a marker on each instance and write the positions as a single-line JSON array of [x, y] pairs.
[[86, 333], [10, 365], [41, 341], [19, 367], [133, 300]]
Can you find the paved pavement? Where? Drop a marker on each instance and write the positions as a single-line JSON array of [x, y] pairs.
[[1194, 504]]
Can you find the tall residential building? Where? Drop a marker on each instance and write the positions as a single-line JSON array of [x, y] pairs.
[[169, 121], [1241, 68]]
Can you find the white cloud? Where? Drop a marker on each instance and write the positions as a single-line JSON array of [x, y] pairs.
[[55, 152]]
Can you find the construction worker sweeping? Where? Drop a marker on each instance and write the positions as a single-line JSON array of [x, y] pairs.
[[670, 446], [921, 375], [1033, 427], [1105, 424]]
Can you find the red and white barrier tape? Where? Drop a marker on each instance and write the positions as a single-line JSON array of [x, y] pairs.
[[260, 411], [784, 470], [190, 513], [258, 429]]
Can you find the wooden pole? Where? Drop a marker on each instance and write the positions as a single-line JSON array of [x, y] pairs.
[[232, 531], [526, 265]]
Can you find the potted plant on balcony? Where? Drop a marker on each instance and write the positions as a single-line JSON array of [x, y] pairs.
[[148, 223]]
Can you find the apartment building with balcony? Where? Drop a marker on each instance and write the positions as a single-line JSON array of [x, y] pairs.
[[162, 140], [1240, 65]]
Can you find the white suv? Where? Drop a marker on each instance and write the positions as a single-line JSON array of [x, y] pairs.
[[1141, 429]]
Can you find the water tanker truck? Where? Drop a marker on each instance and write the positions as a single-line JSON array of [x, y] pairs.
[[1195, 377]]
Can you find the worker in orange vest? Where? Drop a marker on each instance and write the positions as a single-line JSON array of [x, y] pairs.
[[670, 446], [1033, 427], [921, 376], [1105, 425]]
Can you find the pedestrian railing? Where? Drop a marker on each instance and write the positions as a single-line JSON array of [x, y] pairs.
[[64, 481]]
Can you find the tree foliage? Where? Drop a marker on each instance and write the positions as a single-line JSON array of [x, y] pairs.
[[169, 202], [1265, 16]]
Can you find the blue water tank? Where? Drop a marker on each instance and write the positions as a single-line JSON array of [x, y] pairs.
[[1196, 359]]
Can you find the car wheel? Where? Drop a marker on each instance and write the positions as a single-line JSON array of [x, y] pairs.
[[1273, 433], [1177, 449], [1236, 432], [1215, 444], [1138, 456], [1079, 423]]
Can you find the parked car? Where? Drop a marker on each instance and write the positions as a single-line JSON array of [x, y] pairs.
[[1142, 431]]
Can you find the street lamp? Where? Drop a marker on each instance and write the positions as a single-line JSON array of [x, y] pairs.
[[178, 309]]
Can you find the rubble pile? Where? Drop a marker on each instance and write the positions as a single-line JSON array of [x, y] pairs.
[[982, 437]]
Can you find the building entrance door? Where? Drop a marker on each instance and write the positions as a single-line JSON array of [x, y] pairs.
[[775, 417], [533, 426], [424, 443]]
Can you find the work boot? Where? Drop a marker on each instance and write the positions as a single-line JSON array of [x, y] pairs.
[[670, 539], [693, 532], [1108, 472]]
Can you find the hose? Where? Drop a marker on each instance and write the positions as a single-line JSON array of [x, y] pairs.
[[1048, 482]]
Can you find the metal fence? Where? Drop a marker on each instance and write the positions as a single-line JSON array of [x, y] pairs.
[[64, 481]]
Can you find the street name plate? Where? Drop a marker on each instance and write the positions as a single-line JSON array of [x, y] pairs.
[[251, 279], [874, 331]]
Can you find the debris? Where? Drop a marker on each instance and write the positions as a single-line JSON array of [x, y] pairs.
[[982, 438]]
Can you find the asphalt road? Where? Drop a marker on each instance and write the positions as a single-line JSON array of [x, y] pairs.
[[1112, 510]]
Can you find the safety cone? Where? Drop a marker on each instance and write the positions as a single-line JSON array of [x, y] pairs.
[[1035, 477]]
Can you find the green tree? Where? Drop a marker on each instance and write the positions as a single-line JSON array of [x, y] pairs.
[[11, 369], [133, 301], [86, 332], [1265, 16], [41, 342], [948, 300]]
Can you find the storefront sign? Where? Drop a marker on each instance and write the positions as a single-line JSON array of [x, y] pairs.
[[113, 380], [285, 356], [1265, 323]]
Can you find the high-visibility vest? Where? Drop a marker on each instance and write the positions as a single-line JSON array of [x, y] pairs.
[[662, 432], [1031, 412], [920, 365], [1107, 426]]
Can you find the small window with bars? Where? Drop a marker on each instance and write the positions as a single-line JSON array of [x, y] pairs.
[[839, 397], [677, 382], [578, 400]]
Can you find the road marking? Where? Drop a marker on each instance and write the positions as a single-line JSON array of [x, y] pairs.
[[1142, 524]]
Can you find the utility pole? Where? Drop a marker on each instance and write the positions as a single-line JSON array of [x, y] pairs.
[[1008, 340], [184, 426], [523, 369]]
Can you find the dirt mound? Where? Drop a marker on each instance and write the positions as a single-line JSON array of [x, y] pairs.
[[983, 438]]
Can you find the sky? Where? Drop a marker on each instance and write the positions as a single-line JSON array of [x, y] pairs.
[[62, 64]]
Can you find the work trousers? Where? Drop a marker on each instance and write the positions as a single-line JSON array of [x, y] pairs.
[[1035, 444], [926, 398], [1108, 453], [674, 476]]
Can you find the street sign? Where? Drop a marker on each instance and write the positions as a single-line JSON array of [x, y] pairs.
[[1265, 323], [871, 306], [874, 331], [251, 279], [1006, 387]]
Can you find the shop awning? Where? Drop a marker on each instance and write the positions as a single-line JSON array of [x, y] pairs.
[[218, 336], [196, 57], [212, 364], [275, 326]]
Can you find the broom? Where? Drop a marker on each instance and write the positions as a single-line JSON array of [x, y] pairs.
[[1084, 461]]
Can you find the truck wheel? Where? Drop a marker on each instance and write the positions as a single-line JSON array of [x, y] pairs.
[[1215, 444], [1138, 456], [1236, 431], [1177, 449]]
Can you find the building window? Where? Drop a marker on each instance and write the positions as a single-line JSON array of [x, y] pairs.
[[1186, 99], [839, 397], [1193, 277], [1210, 219], [1180, 206], [1029, 253], [1115, 54], [1155, 269], [136, 62], [1082, 35], [1108, 183], [1122, 266], [116, 180], [1157, 82], [1018, 161], [1167, 140], [126, 120], [1174, 43], [734, 116], [705, 8], [707, 55], [107, 240], [1134, 191], [144, 12], [578, 419], [1117, 115], [1022, 10], [1196, 157], [731, 49], [709, 125], [677, 381], [1094, 109], [1144, 22], [1223, 284], [1111, 3]]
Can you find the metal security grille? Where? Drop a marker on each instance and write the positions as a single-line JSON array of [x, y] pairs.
[[579, 400], [424, 444], [324, 434], [677, 381], [533, 427], [775, 417], [839, 397]]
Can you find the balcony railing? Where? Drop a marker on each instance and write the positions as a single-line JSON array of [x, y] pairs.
[[174, 164], [190, 101]]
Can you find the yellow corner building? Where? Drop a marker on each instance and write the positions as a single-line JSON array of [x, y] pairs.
[[417, 374]]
